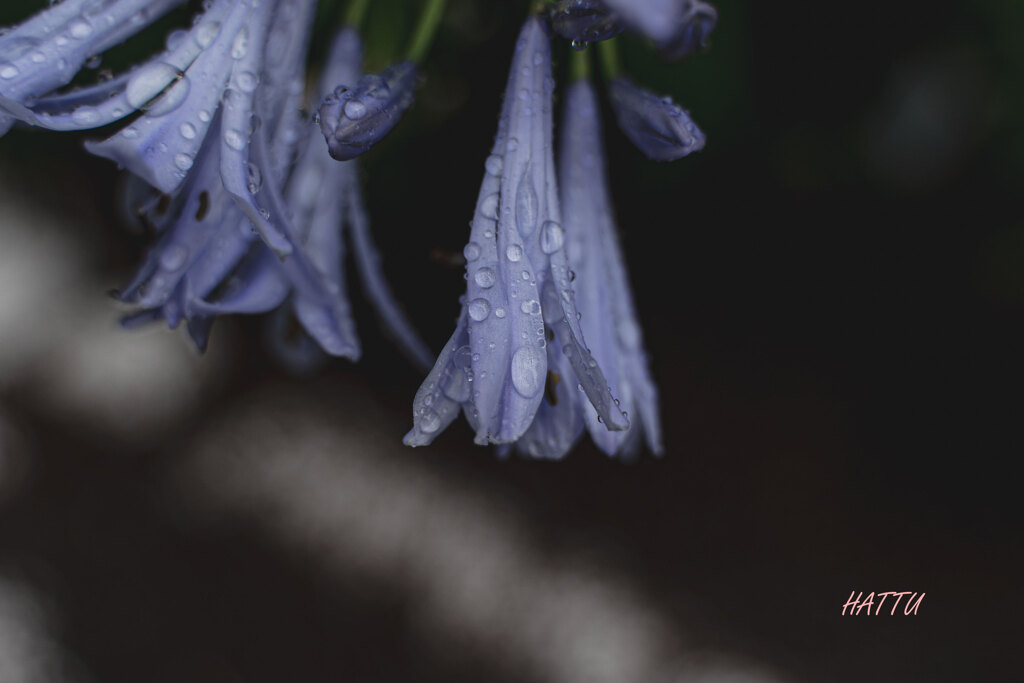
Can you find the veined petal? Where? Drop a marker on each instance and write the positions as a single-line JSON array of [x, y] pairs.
[[558, 423], [161, 146], [659, 127], [446, 389], [45, 52], [602, 288]]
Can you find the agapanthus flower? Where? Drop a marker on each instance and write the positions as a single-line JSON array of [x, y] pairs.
[[217, 127], [518, 331], [603, 296], [234, 272], [659, 127]]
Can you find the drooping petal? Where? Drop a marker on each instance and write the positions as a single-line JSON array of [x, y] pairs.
[[517, 276], [602, 288], [659, 127], [46, 51], [181, 100], [354, 119], [447, 388], [584, 21]]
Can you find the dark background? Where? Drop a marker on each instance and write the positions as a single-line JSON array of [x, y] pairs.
[[831, 294]]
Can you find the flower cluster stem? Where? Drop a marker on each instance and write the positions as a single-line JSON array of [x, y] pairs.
[[610, 63], [426, 27], [579, 65], [356, 12]]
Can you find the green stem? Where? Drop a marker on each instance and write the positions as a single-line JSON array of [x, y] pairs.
[[425, 29], [579, 65], [610, 63], [356, 12]]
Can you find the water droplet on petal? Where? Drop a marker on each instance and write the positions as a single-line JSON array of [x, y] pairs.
[[471, 252], [514, 252], [80, 29], [489, 205], [551, 237], [85, 116], [530, 307], [494, 165], [183, 161], [485, 277], [148, 82], [240, 45], [529, 367], [355, 110], [479, 309], [234, 140], [429, 421], [8, 71], [206, 33], [188, 131]]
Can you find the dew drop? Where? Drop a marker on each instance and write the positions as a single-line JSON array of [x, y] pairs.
[[471, 251], [494, 165], [479, 309], [234, 140], [85, 116], [188, 131], [8, 71], [514, 252], [499, 312], [530, 307], [429, 421], [355, 110], [485, 277], [80, 29], [206, 32], [240, 45], [551, 237], [183, 161], [529, 367], [489, 205], [149, 82], [246, 81]]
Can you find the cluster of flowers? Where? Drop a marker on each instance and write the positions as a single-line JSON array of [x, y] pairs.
[[252, 211]]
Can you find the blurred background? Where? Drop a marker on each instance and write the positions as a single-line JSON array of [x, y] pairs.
[[832, 294]]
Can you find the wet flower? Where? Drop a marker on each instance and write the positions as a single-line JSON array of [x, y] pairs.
[[659, 127], [602, 288], [519, 323], [209, 262], [354, 118]]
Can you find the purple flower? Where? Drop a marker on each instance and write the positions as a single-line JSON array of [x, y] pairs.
[[518, 328], [209, 261], [584, 21], [603, 295], [354, 119], [659, 127], [678, 27]]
